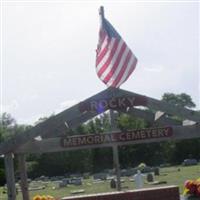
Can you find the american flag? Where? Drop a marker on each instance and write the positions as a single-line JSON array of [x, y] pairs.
[[114, 60]]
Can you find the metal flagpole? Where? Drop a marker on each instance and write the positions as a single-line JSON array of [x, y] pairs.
[[112, 122]]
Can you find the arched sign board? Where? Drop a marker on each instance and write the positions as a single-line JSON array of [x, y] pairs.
[[111, 98], [121, 102], [130, 137], [116, 137]]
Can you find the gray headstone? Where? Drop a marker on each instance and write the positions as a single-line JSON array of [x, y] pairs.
[[100, 176], [156, 171], [76, 181], [113, 183], [150, 177]]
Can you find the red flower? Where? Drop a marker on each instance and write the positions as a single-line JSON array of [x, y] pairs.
[[193, 188], [188, 184], [198, 190]]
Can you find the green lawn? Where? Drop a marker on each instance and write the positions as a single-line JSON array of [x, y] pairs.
[[172, 175]]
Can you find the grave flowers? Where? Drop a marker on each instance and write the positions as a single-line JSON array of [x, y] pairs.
[[192, 189]]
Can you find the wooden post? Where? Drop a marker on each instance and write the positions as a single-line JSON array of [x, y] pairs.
[[23, 176], [117, 166], [10, 178], [115, 152]]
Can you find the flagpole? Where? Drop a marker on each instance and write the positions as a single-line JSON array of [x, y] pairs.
[[107, 61], [101, 12], [115, 149], [112, 123]]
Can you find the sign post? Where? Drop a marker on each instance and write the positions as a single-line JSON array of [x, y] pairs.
[[10, 177], [115, 153], [117, 166]]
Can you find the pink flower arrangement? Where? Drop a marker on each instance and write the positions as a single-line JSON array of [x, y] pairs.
[[192, 188]]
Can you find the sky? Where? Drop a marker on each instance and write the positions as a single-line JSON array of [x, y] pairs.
[[48, 52]]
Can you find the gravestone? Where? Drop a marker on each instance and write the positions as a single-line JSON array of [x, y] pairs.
[[100, 176], [86, 175], [62, 184], [156, 171], [66, 181], [150, 177], [76, 181], [112, 183], [124, 172]]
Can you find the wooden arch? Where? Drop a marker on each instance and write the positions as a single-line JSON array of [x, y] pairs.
[[55, 128]]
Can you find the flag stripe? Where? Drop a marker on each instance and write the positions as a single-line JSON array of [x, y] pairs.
[[114, 60], [116, 54], [131, 69], [118, 64], [121, 69], [103, 50], [107, 58], [110, 56]]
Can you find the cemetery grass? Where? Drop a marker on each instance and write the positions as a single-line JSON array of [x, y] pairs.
[[172, 175]]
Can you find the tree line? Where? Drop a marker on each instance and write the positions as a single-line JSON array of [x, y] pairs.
[[96, 160]]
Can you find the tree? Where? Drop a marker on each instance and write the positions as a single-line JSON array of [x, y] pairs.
[[183, 99], [100, 158], [9, 127], [177, 152], [132, 154]]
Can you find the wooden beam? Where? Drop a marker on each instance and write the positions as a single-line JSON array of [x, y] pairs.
[[117, 166], [55, 124], [10, 178], [149, 117], [162, 106], [23, 176], [54, 144], [74, 116], [116, 163]]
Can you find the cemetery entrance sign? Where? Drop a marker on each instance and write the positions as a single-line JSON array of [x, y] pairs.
[[122, 102], [116, 137], [53, 131]]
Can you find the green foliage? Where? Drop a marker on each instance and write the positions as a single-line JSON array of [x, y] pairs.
[[176, 152], [186, 149], [183, 100], [6, 120], [99, 124], [100, 158], [141, 166], [126, 122], [7, 126]]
